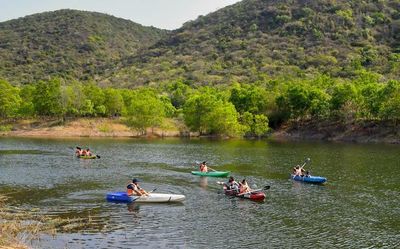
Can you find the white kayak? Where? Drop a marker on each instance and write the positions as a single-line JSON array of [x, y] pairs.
[[153, 197], [157, 197]]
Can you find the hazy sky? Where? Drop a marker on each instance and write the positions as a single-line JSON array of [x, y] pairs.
[[167, 14]]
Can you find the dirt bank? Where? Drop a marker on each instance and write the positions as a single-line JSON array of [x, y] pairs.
[[82, 127], [363, 132]]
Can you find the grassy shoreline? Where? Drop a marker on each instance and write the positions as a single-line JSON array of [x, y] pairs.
[[19, 226]]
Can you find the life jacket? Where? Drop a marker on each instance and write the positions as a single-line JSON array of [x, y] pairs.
[[130, 189]]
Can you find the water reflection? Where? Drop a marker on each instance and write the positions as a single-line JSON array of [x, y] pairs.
[[203, 182], [353, 207]]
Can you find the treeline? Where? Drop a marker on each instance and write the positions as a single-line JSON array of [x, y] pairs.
[[228, 110]]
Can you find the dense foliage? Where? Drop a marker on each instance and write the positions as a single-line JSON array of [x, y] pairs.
[[68, 43], [238, 71], [232, 110], [255, 40]]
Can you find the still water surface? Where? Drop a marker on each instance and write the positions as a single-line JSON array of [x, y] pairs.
[[359, 207]]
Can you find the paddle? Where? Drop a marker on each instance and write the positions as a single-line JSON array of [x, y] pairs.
[[305, 162], [255, 190], [147, 193]]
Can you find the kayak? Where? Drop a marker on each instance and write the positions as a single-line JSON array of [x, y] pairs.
[[309, 179], [211, 173], [152, 198], [87, 157], [255, 196]]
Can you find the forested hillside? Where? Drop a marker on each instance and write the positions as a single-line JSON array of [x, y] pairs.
[[257, 39], [326, 66], [68, 43]]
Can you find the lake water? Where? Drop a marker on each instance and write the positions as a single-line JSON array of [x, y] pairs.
[[359, 206]]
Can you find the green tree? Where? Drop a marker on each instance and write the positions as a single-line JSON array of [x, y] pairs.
[[114, 103], [248, 98], [255, 124], [208, 112], [27, 109], [146, 110], [9, 100], [47, 98], [96, 96]]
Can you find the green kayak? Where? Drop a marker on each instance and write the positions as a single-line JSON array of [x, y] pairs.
[[211, 173], [88, 157]]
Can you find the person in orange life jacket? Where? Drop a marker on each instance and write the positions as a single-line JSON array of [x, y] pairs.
[[134, 188], [203, 167], [244, 187], [231, 185]]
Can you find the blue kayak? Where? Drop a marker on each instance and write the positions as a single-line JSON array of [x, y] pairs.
[[309, 179], [119, 197]]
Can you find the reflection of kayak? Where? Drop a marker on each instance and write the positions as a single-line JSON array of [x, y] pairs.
[[255, 196], [309, 179], [212, 173], [87, 157], [153, 197]]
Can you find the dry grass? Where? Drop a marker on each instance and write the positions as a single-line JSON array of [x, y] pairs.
[[19, 226]]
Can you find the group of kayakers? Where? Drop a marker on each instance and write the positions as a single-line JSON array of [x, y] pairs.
[[231, 184], [237, 188], [82, 152]]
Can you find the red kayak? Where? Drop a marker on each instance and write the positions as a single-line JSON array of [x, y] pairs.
[[255, 195]]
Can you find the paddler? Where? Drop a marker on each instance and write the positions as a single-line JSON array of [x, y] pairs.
[[231, 185], [133, 188], [244, 187], [78, 152], [203, 167]]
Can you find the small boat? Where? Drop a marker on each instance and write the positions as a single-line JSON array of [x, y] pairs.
[[309, 179], [255, 195], [152, 198], [87, 157], [211, 173]]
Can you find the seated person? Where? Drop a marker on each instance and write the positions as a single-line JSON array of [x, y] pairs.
[[203, 167], [231, 185], [134, 188], [78, 152], [244, 187]]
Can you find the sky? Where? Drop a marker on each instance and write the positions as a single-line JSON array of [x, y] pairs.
[[166, 14]]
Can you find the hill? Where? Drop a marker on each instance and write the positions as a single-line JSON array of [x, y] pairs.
[[68, 43], [262, 39]]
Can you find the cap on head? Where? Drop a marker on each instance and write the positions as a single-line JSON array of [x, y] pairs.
[[134, 180]]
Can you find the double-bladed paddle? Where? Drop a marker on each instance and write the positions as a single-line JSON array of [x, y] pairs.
[[305, 162]]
